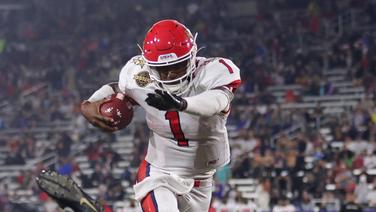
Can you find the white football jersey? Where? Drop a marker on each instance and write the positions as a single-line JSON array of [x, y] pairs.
[[182, 143]]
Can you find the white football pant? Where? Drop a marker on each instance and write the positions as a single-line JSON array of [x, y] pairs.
[[159, 191]]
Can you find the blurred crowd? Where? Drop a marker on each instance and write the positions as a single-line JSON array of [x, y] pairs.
[[75, 46]]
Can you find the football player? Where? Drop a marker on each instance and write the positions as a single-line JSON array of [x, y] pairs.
[[187, 101]]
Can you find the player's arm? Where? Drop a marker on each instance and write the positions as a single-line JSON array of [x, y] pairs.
[[222, 81], [208, 103], [105, 91], [90, 107], [221, 84]]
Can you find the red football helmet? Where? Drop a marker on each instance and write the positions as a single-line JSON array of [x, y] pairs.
[[169, 42]]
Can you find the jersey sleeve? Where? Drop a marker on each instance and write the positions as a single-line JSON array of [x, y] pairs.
[[128, 74], [221, 72], [123, 79], [126, 83]]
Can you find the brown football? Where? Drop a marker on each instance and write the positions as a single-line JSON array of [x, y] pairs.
[[119, 108]]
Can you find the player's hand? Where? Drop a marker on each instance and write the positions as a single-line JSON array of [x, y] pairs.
[[66, 192], [162, 100], [90, 110]]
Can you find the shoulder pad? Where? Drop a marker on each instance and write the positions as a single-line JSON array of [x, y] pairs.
[[134, 74], [216, 72]]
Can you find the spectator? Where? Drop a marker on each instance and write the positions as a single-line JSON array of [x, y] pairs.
[[244, 205], [63, 146], [132, 207], [371, 197], [51, 206], [362, 190], [284, 205], [370, 159], [329, 202], [350, 205], [306, 203], [263, 194], [14, 157], [65, 166], [97, 177]]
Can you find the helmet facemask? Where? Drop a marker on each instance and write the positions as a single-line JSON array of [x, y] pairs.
[[181, 84]]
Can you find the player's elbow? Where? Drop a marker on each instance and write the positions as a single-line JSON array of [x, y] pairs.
[[219, 105]]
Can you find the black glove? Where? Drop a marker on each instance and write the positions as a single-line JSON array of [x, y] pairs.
[[162, 100], [66, 192]]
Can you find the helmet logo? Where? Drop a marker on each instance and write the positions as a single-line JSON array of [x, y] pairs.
[[167, 57], [142, 79]]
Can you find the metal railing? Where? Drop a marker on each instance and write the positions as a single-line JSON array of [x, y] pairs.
[[290, 133]]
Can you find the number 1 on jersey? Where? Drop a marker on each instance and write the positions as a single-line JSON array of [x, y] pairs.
[[174, 120]]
